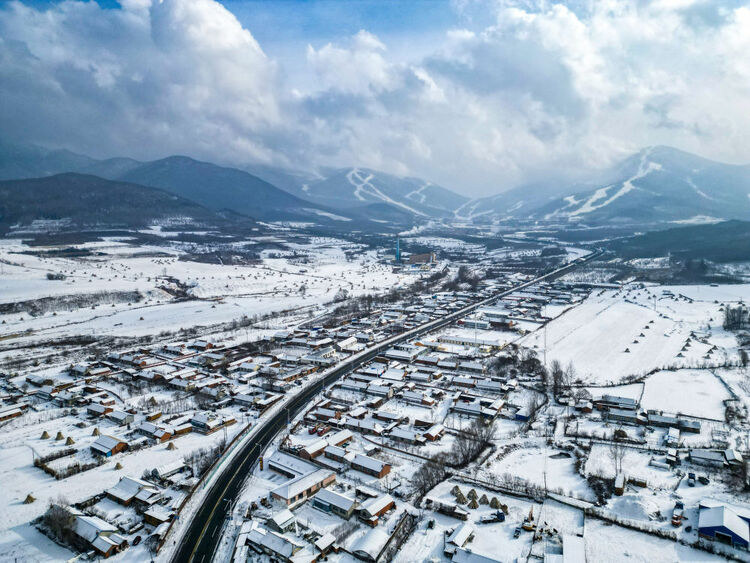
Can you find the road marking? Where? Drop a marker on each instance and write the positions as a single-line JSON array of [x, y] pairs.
[[216, 505]]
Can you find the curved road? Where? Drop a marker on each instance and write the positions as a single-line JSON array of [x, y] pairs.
[[204, 531]]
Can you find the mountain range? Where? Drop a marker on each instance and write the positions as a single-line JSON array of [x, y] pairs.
[[657, 187], [74, 201]]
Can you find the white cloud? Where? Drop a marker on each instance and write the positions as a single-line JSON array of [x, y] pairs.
[[547, 87]]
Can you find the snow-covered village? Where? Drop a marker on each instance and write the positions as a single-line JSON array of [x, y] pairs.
[[440, 281], [339, 400]]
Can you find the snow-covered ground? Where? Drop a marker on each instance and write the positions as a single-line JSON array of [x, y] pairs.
[[634, 331]]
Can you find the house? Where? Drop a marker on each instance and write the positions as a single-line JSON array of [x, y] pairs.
[[339, 454], [733, 457], [314, 449], [335, 503], [459, 537], [721, 523], [426, 258], [271, 543], [303, 486], [282, 522], [325, 544], [98, 534], [339, 438], [157, 515], [435, 432], [373, 508], [710, 458], [108, 445], [97, 409], [206, 423], [153, 431], [622, 415], [366, 426], [371, 466], [168, 469], [120, 417], [129, 489], [406, 435], [11, 411], [672, 437], [614, 402], [693, 426]]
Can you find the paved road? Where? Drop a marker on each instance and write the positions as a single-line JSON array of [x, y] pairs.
[[204, 532]]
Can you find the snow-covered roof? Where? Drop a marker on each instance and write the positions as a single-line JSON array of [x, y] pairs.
[[723, 516], [105, 443], [295, 486], [325, 541], [374, 505], [333, 498], [272, 541], [89, 527], [461, 534], [282, 519], [368, 462], [171, 467], [339, 437]]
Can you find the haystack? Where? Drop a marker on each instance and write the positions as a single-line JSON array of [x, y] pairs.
[[484, 500], [460, 498], [118, 466], [45, 435], [472, 495], [69, 441], [95, 432], [59, 436], [455, 490], [494, 503], [29, 499], [473, 504], [171, 446]]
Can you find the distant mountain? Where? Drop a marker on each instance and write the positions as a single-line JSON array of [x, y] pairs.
[[728, 241], [111, 168], [78, 200], [657, 186], [333, 197], [356, 188], [287, 179], [217, 187], [31, 161]]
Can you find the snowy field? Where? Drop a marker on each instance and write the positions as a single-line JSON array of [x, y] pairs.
[[603, 540], [540, 465], [686, 391], [220, 292], [619, 333]]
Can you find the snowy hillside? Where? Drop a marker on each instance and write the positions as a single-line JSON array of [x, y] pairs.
[[658, 185], [358, 187]]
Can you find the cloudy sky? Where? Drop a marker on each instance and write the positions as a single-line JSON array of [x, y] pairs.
[[477, 95]]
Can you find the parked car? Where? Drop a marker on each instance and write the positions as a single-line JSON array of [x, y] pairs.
[[703, 480], [691, 479], [517, 532]]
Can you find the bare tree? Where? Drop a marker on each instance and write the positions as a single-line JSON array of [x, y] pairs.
[[59, 520], [617, 450], [556, 375], [429, 475]]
